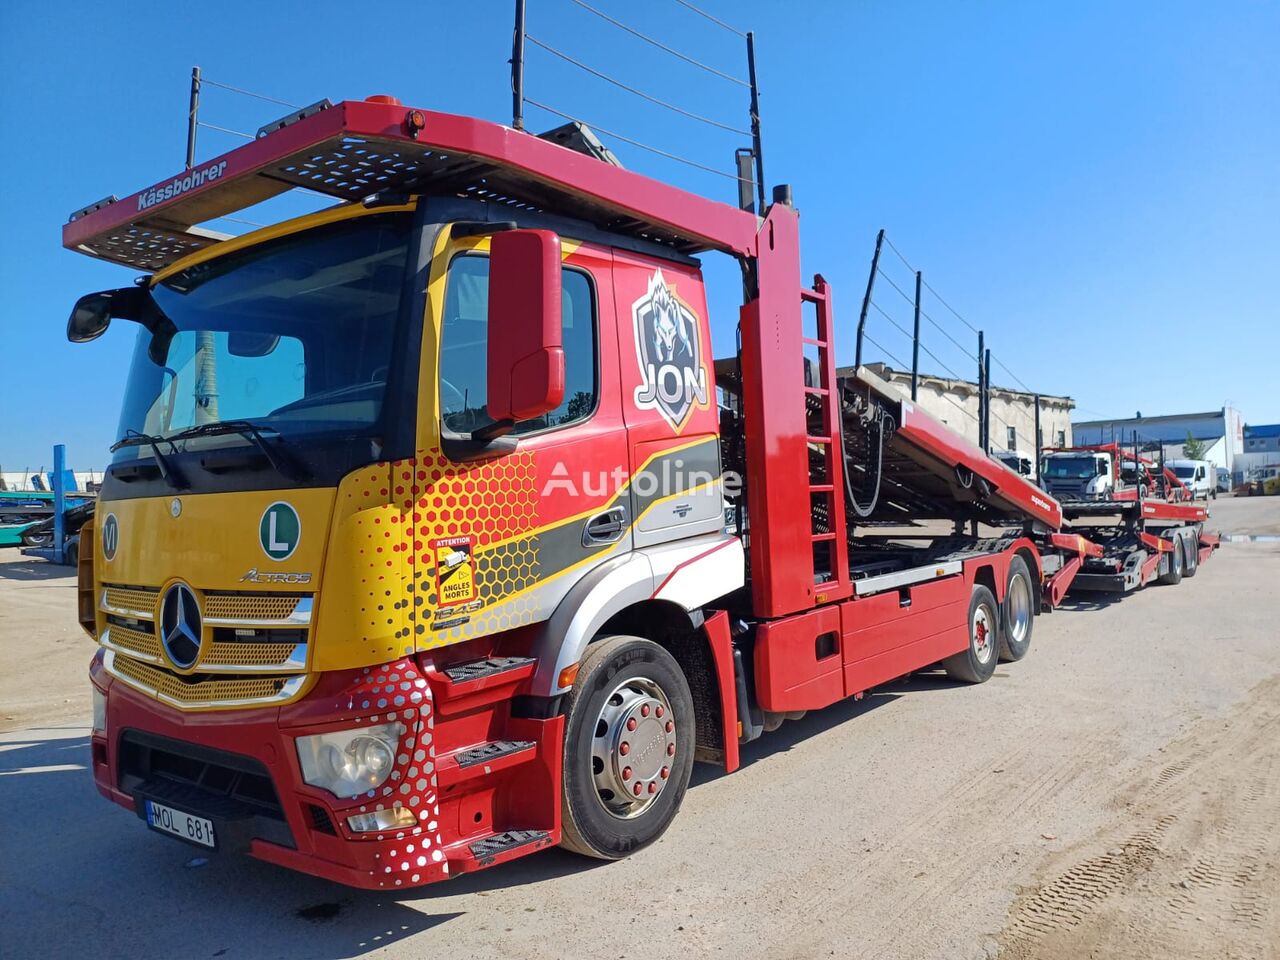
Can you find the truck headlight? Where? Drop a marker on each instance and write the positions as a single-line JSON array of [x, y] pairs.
[[349, 762], [99, 710]]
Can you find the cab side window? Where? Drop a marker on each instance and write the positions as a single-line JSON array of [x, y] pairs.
[[464, 344]]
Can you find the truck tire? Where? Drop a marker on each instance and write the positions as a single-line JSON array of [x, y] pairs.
[[977, 661], [71, 552], [1173, 575], [1192, 560], [628, 753], [1019, 613]]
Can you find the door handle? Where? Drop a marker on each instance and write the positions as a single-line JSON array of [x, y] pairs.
[[606, 527]]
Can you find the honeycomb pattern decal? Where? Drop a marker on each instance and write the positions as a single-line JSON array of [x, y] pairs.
[[494, 504]]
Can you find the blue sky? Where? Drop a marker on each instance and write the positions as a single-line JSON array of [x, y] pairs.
[[1094, 184]]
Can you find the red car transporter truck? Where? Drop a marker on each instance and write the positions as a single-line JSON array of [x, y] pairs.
[[413, 556]]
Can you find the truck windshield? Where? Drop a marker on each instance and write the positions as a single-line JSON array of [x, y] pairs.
[[1069, 468], [295, 335], [1184, 473]]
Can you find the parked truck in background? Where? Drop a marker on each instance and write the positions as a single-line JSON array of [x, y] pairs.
[[1084, 473]]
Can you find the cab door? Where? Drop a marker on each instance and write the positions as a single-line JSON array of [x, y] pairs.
[[667, 384], [504, 529]]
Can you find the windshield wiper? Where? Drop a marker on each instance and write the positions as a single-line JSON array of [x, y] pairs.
[[170, 473], [284, 466]]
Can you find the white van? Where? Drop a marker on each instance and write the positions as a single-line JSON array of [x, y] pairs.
[[1199, 476]]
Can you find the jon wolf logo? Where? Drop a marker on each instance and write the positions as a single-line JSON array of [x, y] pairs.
[[669, 349]]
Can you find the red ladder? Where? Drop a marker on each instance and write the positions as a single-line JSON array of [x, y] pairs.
[[826, 477]]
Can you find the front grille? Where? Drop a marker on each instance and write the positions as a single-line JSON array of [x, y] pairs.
[[204, 690], [247, 654], [136, 638], [140, 601], [251, 607], [253, 647]]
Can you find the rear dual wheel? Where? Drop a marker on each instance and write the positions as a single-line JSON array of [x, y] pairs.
[[1192, 560], [629, 743], [1019, 613], [1177, 558], [977, 661]]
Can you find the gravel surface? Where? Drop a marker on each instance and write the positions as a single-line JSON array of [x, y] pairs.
[[1116, 794]]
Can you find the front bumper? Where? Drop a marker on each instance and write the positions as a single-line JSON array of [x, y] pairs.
[[239, 768]]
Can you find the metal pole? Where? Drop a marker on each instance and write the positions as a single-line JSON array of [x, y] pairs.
[[986, 385], [982, 396], [915, 346], [59, 503], [866, 300], [517, 69], [1039, 443], [755, 119], [193, 113]]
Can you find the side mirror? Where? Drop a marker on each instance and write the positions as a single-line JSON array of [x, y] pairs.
[[94, 312], [526, 352]]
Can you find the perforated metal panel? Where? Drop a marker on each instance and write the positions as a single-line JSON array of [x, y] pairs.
[[143, 642], [264, 655], [200, 692], [150, 247], [249, 607], [134, 599]]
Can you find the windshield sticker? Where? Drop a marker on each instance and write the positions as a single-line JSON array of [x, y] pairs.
[[279, 531], [669, 350], [180, 185], [455, 571]]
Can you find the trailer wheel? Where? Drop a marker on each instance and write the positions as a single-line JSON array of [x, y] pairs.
[[1019, 614], [1173, 575], [629, 743], [1192, 544], [977, 662]]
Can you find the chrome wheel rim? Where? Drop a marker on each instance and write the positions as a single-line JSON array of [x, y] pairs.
[[981, 633], [1019, 609], [633, 747]]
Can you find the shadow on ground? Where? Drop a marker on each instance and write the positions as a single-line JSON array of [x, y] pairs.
[[87, 878], [29, 570]]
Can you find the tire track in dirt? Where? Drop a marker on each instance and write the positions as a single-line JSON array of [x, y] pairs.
[[1196, 879]]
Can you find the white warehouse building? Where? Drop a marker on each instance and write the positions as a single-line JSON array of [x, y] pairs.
[[1221, 432]]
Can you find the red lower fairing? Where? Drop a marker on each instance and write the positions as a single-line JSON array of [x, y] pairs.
[[468, 815]]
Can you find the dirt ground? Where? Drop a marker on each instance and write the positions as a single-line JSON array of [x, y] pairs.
[[1116, 794]]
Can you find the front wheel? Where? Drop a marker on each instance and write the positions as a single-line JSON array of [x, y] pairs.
[[977, 661], [629, 743]]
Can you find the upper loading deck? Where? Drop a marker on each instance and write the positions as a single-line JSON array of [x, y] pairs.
[[355, 149]]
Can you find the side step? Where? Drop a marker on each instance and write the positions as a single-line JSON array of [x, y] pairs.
[[476, 763], [486, 850], [466, 686], [492, 751], [479, 669]]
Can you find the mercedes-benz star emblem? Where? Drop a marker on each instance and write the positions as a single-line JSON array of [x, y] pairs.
[[180, 625]]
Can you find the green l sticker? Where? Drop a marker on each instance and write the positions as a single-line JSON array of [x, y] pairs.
[[279, 531]]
